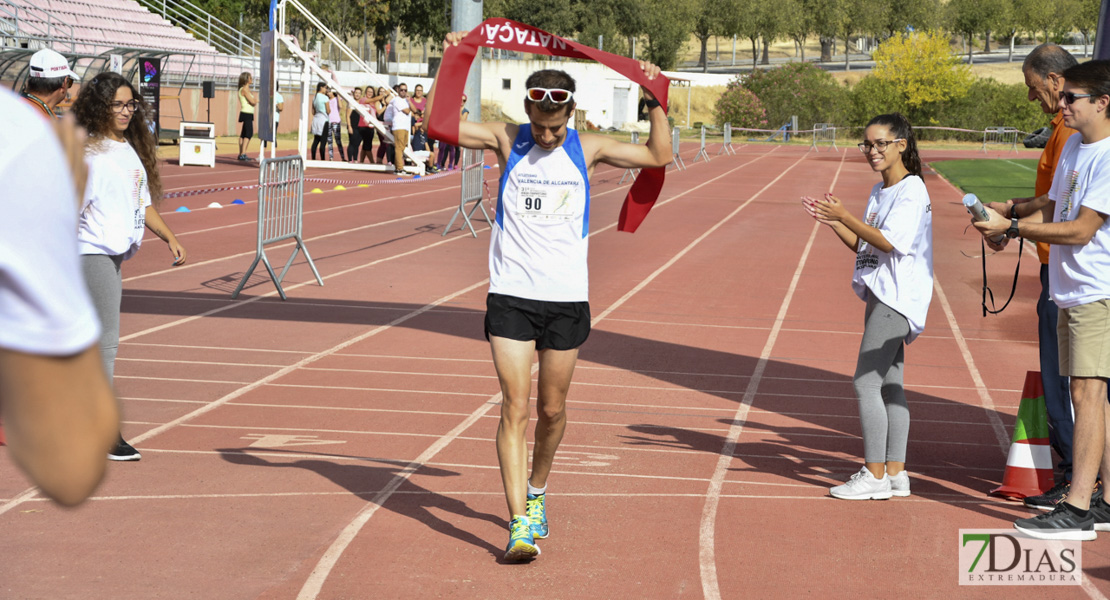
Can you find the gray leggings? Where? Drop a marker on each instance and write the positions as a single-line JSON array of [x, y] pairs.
[[883, 411], [102, 276]]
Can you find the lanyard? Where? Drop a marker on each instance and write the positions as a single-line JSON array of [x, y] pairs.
[[510, 35], [45, 108]]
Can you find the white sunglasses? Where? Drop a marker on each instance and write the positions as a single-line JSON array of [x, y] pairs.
[[556, 95]]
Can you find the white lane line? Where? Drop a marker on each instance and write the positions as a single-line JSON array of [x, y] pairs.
[[182, 380], [931, 498], [315, 582], [976, 378], [1017, 164], [229, 349], [197, 362], [707, 557], [377, 389]]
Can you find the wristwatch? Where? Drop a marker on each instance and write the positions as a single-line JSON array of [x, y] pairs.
[[1013, 211], [1012, 232]]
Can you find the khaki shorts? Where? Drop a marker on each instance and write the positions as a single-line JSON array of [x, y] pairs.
[[1084, 334]]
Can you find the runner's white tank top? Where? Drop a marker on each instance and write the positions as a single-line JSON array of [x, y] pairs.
[[540, 238]]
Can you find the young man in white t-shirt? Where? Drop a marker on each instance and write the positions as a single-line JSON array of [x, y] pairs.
[[59, 412], [1075, 222], [400, 125]]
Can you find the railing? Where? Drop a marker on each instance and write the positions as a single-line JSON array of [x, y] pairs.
[[20, 28], [204, 26]]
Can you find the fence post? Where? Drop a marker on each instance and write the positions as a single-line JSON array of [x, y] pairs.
[[726, 145], [676, 158], [701, 151], [280, 216], [473, 162]]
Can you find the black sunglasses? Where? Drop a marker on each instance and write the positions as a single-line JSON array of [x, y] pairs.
[[1070, 97]]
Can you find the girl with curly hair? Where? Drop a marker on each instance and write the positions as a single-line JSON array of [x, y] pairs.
[[123, 188]]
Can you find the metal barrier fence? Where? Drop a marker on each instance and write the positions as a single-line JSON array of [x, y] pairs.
[[676, 158], [280, 216], [701, 151], [633, 138], [473, 163], [1001, 136], [824, 133], [726, 146]]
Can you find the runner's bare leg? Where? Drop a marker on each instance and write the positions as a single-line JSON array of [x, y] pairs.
[[513, 361], [556, 370]]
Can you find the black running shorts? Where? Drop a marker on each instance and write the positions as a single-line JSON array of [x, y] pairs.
[[553, 325]]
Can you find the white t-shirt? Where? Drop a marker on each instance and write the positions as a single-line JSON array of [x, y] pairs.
[[902, 278], [44, 305], [1081, 274], [400, 119], [540, 238], [113, 213]]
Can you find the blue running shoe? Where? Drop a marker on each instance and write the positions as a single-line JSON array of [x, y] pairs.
[[537, 515], [522, 546]]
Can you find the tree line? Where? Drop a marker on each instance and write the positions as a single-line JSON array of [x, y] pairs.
[[657, 30]]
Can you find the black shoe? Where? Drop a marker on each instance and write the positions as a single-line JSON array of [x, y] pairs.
[[1049, 499], [123, 451], [1100, 510], [1060, 524]]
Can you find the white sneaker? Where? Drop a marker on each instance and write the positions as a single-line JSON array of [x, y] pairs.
[[900, 484], [863, 486]]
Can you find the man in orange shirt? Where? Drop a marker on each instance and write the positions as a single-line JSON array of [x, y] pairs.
[[1042, 69], [49, 78]]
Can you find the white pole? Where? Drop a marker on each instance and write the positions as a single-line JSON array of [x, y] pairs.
[[734, 50]]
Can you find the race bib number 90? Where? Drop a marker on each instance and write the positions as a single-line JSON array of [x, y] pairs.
[[544, 203]]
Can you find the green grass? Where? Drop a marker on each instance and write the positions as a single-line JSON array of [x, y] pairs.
[[991, 179]]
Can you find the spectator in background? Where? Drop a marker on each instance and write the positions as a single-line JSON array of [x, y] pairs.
[[399, 117], [354, 134], [123, 185], [385, 147], [365, 129], [319, 120], [48, 81], [247, 102], [450, 154], [58, 408], [420, 150], [335, 121], [417, 102]]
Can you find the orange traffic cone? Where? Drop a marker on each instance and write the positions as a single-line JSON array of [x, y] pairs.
[[1029, 465]]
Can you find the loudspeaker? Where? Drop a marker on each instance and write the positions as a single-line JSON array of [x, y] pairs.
[[209, 88]]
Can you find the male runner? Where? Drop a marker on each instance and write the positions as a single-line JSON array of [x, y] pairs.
[[538, 278]]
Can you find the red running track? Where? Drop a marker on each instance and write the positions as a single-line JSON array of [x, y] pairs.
[[339, 444]]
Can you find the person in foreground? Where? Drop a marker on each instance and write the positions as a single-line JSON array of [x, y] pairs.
[[58, 409], [1074, 222], [124, 182], [894, 276], [538, 295]]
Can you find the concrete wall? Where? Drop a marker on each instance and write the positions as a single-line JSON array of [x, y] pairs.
[[224, 113]]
